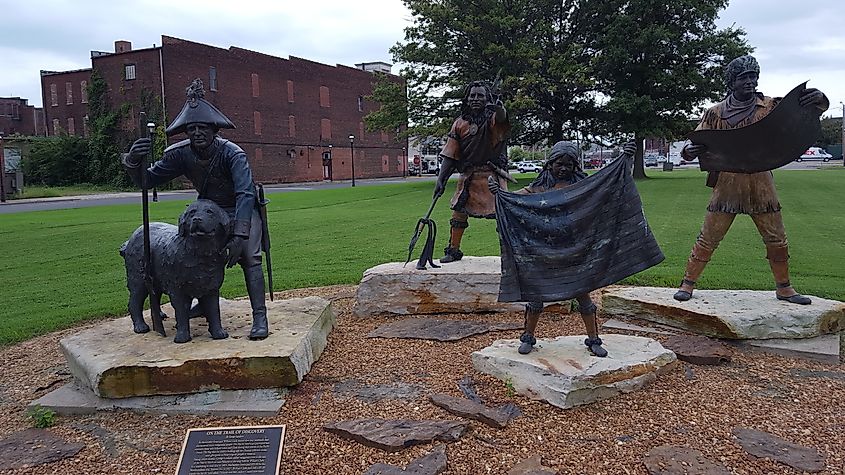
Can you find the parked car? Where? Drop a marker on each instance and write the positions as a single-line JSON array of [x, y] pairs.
[[528, 167], [815, 153], [650, 160]]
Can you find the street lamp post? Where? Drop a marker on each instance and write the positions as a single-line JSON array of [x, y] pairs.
[[331, 164], [352, 150], [2, 172]]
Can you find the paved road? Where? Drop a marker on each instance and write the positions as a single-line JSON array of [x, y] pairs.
[[66, 202], [803, 165], [85, 201]]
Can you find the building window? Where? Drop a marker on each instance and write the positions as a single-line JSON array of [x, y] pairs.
[[361, 130], [69, 92], [259, 154], [129, 72], [212, 78], [256, 119], [324, 97], [71, 129], [54, 95], [85, 126], [56, 127], [290, 91], [360, 103], [292, 126], [325, 129], [83, 89], [255, 90]]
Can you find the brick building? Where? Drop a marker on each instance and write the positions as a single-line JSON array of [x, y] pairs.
[[65, 98], [17, 117], [293, 116]]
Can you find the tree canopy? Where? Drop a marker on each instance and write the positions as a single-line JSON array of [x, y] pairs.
[[568, 66]]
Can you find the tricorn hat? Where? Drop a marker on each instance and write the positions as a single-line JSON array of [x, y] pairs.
[[197, 109]]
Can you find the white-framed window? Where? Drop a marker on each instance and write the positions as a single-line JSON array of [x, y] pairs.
[[54, 95], [69, 92], [83, 97], [129, 72], [360, 103]]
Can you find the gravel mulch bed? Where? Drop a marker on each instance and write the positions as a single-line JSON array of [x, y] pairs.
[[692, 406]]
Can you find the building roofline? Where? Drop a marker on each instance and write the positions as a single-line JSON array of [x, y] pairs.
[[51, 73]]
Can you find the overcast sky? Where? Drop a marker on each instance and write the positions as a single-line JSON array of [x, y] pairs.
[[794, 41]]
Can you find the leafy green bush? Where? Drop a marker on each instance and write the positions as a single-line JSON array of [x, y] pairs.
[[41, 417]]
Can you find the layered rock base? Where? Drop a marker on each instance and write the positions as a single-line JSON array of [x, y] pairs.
[[732, 314], [466, 286], [562, 372], [114, 362]]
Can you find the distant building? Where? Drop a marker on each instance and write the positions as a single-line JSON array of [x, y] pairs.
[[375, 67], [294, 117], [17, 117]]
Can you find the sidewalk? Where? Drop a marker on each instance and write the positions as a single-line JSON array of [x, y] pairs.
[[270, 188]]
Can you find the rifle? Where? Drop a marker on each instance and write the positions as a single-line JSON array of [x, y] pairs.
[[427, 254], [261, 204], [147, 129], [496, 85]]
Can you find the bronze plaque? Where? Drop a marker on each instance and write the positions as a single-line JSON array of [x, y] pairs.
[[243, 450]]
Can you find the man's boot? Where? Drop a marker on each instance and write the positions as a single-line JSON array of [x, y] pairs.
[[778, 257], [254, 277], [698, 259], [588, 314], [532, 316], [453, 252]]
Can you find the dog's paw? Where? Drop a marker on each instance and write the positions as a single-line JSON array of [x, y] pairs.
[[219, 334], [141, 327], [182, 337]]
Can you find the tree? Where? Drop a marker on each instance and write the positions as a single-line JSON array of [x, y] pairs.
[[831, 132], [106, 139], [543, 49], [657, 63], [570, 67], [392, 115], [56, 161]]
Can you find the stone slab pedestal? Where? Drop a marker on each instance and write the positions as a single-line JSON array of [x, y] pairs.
[[114, 362], [732, 314], [562, 372], [466, 286], [71, 399]]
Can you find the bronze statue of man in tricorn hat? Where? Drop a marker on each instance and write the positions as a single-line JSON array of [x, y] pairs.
[[219, 171]]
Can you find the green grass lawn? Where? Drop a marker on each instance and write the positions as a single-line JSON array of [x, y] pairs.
[[62, 267]]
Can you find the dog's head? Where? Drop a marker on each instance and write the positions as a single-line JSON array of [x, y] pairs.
[[204, 220]]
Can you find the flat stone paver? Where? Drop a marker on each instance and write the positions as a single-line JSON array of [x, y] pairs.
[[71, 399], [467, 286], [732, 314], [114, 362], [562, 372]]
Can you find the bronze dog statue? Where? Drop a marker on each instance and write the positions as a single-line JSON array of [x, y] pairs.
[[188, 262]]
